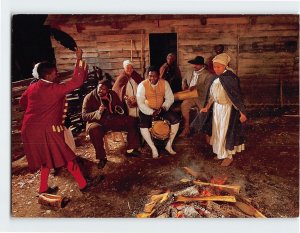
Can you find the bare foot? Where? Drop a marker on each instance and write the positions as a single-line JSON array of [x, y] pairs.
[[226, 162]]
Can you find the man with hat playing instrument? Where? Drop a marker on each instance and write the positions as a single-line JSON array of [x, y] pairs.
[[199, 79], [154, 98], [103, 111]]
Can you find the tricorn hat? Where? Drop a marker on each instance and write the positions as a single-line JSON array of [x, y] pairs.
[[198, 60]]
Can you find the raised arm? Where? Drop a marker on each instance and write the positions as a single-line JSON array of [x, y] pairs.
[[79, 76]]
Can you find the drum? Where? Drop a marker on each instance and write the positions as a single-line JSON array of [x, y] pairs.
[[187, 94], [160, 129]]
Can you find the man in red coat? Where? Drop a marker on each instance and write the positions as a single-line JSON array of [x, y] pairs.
[[42, 127]]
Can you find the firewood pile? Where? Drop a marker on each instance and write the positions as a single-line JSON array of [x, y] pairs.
[[200, 199], [74, 99]]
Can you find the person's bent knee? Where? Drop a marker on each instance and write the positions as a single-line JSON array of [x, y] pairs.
[[95, 130]]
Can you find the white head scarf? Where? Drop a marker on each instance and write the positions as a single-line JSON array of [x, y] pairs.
[[126, 63], [224, 59], [35, 74]]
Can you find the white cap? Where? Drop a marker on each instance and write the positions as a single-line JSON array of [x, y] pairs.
[[126, 63], [35, 74]]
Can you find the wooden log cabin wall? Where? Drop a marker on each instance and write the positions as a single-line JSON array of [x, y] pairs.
[[264, 50]]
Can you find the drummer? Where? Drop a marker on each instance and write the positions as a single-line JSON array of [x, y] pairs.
[[198, 79], [154, 98]]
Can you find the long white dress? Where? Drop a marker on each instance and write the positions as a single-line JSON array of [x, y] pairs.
[[221, 115]]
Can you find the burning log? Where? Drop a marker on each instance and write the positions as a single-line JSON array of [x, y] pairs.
[[209, 198], [191, 172], [144, 215], [155, 205], [160, 197], [149, 207], [188, 192], [230, 188], [184, 180], [163, 207], [249, 209]]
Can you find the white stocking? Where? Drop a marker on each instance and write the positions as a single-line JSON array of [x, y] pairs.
[[174, 129], [146, 135]]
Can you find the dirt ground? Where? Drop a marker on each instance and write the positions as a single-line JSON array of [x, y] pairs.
[[267, 171]]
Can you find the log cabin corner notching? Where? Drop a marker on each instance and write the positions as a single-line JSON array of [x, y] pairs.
[[263, 48]]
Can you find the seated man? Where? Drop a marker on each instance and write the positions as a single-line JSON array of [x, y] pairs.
[[102, 109], [154, 98], [199, 79]]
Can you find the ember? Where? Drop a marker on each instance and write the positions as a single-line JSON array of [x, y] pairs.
[[202, 200]]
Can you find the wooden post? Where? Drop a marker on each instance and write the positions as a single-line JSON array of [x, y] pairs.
[[131, 50], [142, 49]]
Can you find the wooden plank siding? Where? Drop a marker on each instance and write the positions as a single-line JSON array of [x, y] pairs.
[[264, 49]]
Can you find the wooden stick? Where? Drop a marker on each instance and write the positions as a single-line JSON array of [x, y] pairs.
[[142, 48], [291, 115], [191, 172], [159, 197], [249, 209], [234, 188], [131, 50], [209, 198], [148, 208]]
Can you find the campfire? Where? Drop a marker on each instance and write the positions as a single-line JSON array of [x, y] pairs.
[[213, 199]]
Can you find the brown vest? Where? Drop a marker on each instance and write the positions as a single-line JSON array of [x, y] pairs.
[[154, 96]]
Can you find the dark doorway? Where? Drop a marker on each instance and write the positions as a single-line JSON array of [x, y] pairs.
[[160, 45]]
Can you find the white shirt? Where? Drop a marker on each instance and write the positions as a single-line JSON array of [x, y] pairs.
[[140, 96], [195, 77]]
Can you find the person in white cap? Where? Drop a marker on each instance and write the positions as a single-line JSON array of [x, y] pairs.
[[42, 129], [225, 124], [126, 87]]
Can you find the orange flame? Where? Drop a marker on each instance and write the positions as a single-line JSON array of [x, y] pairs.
[[206, 192], [218, 180]]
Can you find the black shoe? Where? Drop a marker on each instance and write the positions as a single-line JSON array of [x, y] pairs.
[[92, 183], [102, 163], [134, 153], [51, 190]]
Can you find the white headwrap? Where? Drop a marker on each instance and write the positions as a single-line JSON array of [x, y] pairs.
[[224, 59], [35, 74], [126, 63]]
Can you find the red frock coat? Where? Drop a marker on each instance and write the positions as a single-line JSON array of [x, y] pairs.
[[42, 128]]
